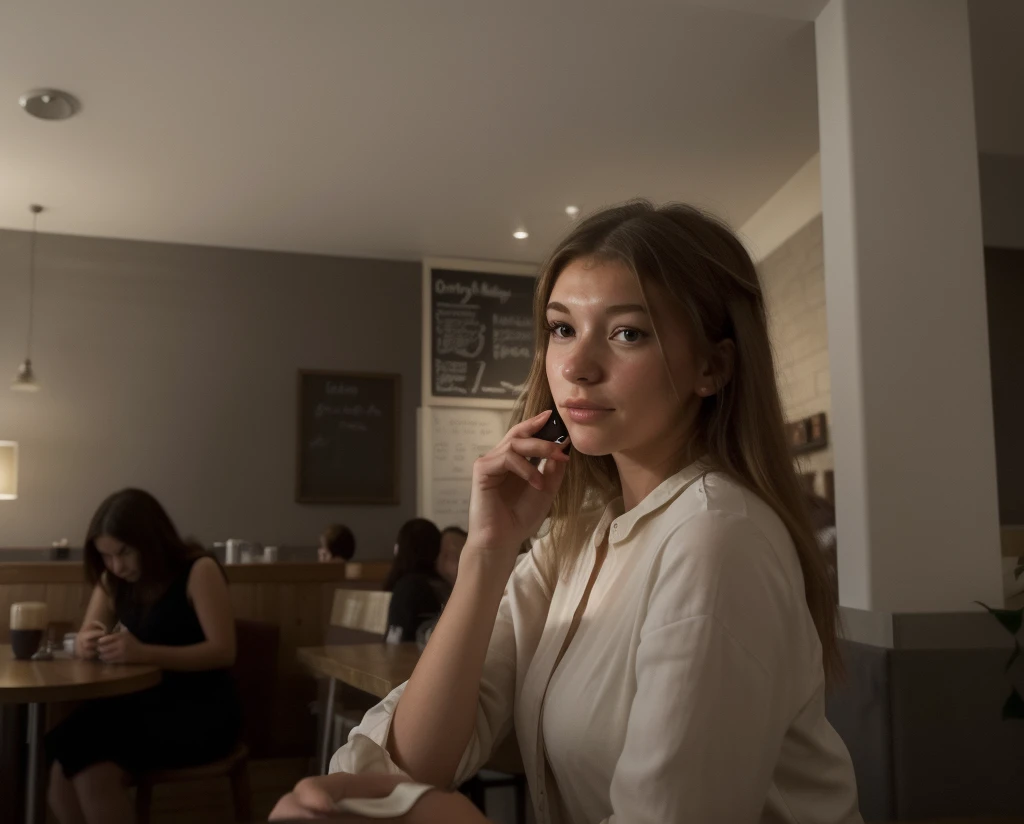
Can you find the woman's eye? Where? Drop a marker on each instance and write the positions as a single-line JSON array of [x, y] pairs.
[[629, 335], [559, 330]]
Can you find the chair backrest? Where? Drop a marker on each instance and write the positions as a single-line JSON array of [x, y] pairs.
[[256, 674], [362, 610]]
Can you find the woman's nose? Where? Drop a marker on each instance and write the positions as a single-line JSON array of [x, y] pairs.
[[581, 364]]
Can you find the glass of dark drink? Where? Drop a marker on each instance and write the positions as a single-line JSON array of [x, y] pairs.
[[28, 626]]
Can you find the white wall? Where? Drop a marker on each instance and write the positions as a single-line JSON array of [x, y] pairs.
[[787, 211], [784, 235], [174, 368]]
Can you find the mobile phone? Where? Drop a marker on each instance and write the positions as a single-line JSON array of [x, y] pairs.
[[553, 430]]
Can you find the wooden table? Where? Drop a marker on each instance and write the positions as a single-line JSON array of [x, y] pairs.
[[63, 679], [378, 669], [373, 668]]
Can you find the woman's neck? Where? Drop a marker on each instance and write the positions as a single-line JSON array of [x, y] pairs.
[[640, 474], [638, 480]]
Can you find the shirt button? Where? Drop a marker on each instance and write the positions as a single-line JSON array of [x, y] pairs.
[[615, 527]]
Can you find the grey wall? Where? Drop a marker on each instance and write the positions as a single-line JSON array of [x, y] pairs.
[[1004, 278], [174, 368]]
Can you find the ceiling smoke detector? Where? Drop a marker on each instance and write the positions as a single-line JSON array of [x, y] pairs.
[[49, 104]]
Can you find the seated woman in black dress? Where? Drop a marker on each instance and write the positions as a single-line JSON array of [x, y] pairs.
[[417, 591], [156, 600]]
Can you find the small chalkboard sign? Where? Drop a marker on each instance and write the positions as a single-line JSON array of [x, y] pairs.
[[481, 332], [348, 450]]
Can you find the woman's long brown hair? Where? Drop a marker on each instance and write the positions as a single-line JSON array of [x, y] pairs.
[[136, 518], [714, 283]]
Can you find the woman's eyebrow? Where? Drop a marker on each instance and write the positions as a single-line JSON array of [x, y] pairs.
[[616, 309]]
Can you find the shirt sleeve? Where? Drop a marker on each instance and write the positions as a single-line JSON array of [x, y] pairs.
[[711, 707], [527, 594]]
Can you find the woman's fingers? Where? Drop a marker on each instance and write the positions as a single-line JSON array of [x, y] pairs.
[[554, 471], [513, 456], [494, 468], [314, 796], [320, 794], [288, 808], [531, 426], [537, 448]]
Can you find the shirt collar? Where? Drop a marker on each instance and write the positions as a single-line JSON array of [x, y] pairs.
[[619, 525]]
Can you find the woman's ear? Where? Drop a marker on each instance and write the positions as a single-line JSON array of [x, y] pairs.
[[718, 369]]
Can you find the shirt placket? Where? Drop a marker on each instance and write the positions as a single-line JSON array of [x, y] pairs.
[[543, 769]]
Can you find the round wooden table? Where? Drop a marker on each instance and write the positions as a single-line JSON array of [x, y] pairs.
[[63, 679]]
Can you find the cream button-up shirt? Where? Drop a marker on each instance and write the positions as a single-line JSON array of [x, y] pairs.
[[692, 691]]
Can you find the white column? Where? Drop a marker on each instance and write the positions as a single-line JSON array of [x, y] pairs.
[[908, 337]]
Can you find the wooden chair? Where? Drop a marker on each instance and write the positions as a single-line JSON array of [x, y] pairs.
[[235, 768], [503, 769], [254, 671], [361, 610], [357, 617]]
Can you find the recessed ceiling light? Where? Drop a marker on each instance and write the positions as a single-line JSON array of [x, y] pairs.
[[521, 234], [49, 104], [572, 211]]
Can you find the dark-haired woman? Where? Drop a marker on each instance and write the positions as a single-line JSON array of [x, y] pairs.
[[417, 590], [158, 600]]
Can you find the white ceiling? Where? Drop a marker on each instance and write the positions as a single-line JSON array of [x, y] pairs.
[[401, 129]]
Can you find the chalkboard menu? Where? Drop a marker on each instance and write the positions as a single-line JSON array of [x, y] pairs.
[[481, 328], [348, 450]]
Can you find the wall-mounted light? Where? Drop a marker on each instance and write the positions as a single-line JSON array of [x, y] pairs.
[[8, 470]]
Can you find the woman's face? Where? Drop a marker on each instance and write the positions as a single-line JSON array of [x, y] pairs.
[[448, 558], [119, 558], [607, 374]]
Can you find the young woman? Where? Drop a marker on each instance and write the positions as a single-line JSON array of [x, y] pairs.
[[662, 651], [156, 600], [417, 590]]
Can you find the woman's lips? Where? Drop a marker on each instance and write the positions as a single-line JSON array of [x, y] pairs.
[[584, 414]]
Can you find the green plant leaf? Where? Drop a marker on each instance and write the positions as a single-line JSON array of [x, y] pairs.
[[1013, 656], [1014, 706], [1011, 619]]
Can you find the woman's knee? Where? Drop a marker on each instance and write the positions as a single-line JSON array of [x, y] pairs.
[[99, 779], [60, 794]]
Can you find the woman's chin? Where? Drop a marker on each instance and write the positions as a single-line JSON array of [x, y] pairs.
[[590, 447]]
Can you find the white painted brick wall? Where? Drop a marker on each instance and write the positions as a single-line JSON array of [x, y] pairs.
[[794, 282]]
